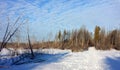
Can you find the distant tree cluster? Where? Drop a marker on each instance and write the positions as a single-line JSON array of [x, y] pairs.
[[81, 39], [76, 40], [109, 40]]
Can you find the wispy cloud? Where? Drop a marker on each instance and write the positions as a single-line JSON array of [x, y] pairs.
[[48, 16]]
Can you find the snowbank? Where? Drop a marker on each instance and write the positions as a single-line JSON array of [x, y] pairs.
[[56, 59], [5, 51]]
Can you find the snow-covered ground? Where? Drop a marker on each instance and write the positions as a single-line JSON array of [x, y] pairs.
[[56, 59]]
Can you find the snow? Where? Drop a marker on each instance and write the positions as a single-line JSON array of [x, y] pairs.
[[56, 59], [5, 52]]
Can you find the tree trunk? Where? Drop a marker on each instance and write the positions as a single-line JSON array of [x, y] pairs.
[[30, 46]]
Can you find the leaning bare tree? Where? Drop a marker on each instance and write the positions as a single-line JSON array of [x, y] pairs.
[[10, 30], [29, 43]]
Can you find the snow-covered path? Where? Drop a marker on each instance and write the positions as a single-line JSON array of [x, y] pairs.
[[78, 61], [66, 60]]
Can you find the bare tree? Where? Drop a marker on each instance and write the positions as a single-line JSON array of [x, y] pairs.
[[30, 45], [10, 31]]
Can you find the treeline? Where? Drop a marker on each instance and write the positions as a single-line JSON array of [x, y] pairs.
[[106, 40], [79, 40], [76, 40]]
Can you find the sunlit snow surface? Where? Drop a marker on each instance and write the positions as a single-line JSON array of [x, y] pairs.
[[56, 59]]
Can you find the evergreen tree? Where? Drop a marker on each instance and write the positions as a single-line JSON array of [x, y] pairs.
[[96, 34]]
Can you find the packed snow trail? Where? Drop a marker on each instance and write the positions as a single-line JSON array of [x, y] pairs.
[[77, 61], [91, 59]]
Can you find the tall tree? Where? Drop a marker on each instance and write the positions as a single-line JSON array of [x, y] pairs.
[[96, 34]]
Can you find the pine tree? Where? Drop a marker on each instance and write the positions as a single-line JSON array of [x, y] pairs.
[[96, 34]]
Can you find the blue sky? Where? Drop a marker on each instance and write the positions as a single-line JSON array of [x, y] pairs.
[[49, 16]]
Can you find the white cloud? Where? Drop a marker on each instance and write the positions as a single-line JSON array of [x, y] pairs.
[[52, 15]]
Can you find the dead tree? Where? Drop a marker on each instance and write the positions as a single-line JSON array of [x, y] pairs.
[[10, 31], [30, 46], [29, 43]]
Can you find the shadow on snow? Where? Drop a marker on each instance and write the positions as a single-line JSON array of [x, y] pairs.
[[113, 63], [40, 59]]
